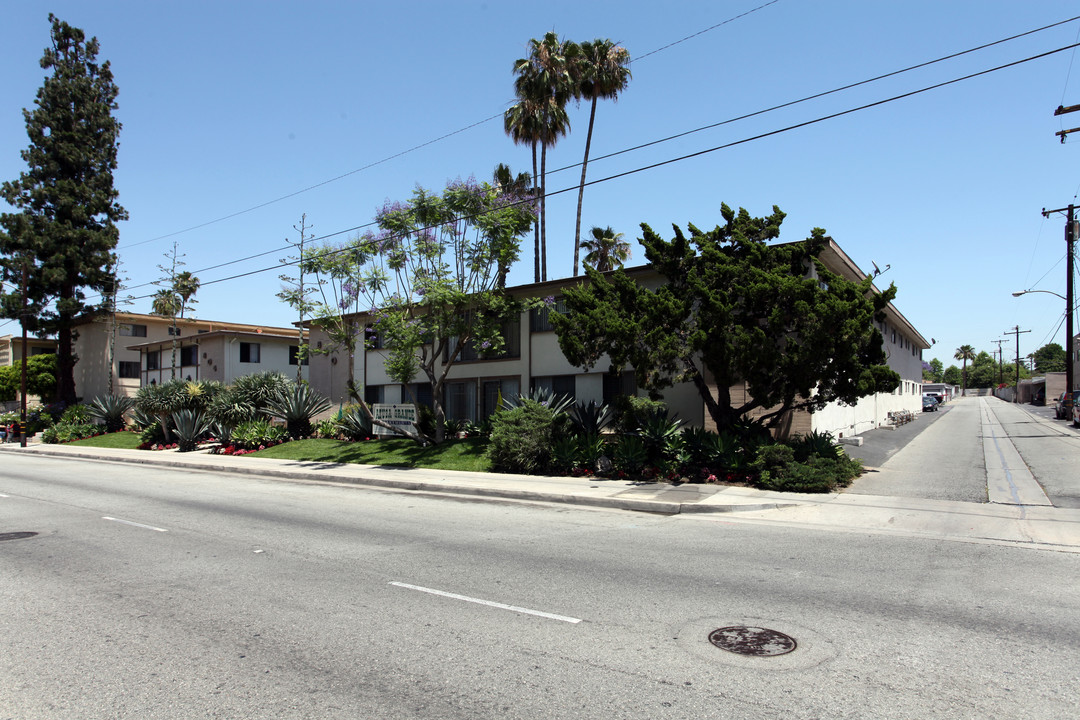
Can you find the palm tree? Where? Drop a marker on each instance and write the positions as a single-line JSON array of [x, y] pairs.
[[602, 73], [606, 250], [518, 188], [522, 124], [544, 85], [185, 285], [173, 301], [965, 353], [167, 304]]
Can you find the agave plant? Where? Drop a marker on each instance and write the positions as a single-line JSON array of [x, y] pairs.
[[591, 419], [162, 401], [259, 389], [190, 426], [296, 406], [253, 433], [557, 404], [630, 454], [659, 434], [228, 410], [354, 423], [590, 448], [110, 411], [564, 454]]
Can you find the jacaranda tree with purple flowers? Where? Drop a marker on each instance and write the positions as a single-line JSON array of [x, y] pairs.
[[429, 282]]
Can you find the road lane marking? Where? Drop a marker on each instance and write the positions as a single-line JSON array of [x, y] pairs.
[[489, 603], [3, 495], [135, 524]]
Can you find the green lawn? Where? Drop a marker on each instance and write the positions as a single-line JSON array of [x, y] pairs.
[[123, 440], [468, 454]]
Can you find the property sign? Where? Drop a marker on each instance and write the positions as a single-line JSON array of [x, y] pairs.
[[402, 416]]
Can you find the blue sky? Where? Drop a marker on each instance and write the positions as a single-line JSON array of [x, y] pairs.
[[227, 106]]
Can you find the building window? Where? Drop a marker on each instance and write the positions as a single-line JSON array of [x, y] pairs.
[[618, 384], [422, 393], [189, 356], [540, 318], [495, 391], [174, 331], [153, 360], [249, 352], [372, 339], [375, 394], [511, 333], [131, 330], [557, 384], [40, 351], [461, 400], [128, 369], [294, 353]]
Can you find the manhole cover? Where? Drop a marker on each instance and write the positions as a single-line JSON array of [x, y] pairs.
[[752, 640], [16, 535]]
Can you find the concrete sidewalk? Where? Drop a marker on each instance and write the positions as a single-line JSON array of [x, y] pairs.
[[1039, 527]]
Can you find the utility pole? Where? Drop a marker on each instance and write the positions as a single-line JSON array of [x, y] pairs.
[[22, 391], [1071, 232], [1070, 239], [1001, 360], [1061, 110], [1017, 332]]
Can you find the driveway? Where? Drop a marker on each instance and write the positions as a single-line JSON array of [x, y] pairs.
[[946, 455]]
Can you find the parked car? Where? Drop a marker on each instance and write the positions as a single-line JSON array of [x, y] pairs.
[[929, 403], [1061, 410]]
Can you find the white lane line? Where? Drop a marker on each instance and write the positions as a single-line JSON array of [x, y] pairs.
[[135, 524], [489, 603], [3, 495]]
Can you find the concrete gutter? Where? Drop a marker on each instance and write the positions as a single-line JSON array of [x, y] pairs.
[[659, 498], [1039, 527]]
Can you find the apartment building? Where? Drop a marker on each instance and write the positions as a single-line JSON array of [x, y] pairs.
[[532, 358], [119, 353]]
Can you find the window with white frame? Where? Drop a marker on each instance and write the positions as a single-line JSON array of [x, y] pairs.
[[249, 352]]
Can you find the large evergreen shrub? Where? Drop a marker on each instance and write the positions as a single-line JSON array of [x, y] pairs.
[[522, 439]]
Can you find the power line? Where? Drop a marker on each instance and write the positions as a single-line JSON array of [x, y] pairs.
[[413, 148], [821, 94], [735, 143], [643, 145], [702, 32]]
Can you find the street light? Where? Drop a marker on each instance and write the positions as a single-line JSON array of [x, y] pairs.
[[1068, 340], [1048, 292]]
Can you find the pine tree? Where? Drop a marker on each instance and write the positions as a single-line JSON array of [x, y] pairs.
[[64, 229]]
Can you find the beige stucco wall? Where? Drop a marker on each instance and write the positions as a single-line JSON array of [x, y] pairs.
[[218, 357]]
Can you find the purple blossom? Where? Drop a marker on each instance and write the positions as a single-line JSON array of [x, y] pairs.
[[485, 345], [549, 300]]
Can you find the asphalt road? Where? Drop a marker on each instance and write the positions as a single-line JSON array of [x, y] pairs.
[[150, 593]]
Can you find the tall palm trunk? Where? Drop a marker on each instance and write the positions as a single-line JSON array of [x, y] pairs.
[[536, 222], [581, 188], [543, 211]]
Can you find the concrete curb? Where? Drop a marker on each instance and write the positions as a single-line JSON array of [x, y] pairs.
[[324, 473]]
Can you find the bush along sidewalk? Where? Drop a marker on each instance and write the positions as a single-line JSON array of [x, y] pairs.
[[640, 441]]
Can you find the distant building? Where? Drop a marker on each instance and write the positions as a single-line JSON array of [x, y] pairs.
[[141, 352], [532, 358], [11, 354], [11, 348]]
